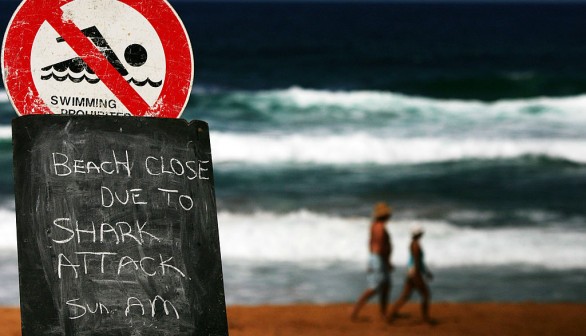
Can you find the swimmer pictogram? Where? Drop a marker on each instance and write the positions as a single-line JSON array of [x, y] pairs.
[[76, 69], [64, 56]]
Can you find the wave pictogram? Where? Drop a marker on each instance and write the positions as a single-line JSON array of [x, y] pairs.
[[145, 82], [71, 78], [88, 76]]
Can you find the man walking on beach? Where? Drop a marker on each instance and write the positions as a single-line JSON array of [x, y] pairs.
[[379, 261]]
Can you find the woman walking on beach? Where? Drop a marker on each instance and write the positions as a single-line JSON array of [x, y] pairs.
[[379, 262], [417, 272]]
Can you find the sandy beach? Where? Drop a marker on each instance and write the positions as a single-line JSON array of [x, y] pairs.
[[452, 319]]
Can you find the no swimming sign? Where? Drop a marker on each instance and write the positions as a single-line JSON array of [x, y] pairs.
[[97, 57]]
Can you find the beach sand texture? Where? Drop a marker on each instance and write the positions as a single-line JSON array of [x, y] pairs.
[[452, 319]]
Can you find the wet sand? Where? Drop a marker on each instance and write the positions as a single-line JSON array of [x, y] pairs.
[[452, 319]]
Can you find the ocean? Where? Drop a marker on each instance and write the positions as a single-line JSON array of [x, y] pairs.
[[468, 119]]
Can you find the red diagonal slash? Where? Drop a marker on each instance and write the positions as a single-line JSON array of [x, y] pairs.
[[92, 56]]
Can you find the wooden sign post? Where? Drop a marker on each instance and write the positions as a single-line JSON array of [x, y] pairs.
[[117, 228]]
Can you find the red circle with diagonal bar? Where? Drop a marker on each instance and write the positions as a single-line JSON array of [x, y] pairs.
[[177, 78]]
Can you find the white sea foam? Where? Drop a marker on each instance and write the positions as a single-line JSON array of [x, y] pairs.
[[305, 237], [377, 100], [366, 148], [7, 229], [5, 132], [360, 102]]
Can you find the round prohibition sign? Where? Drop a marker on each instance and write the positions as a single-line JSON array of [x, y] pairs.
[[102, 57]]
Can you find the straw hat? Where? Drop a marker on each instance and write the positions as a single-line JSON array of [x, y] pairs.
[[381, 209]]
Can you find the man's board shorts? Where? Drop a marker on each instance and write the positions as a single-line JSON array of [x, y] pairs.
[[378, 272]]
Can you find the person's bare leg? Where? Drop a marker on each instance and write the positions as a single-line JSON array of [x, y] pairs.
[[425, 296], [405, 295], [361, 302], [384, 298]]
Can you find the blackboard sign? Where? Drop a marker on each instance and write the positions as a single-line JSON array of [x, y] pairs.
[[117, 227]]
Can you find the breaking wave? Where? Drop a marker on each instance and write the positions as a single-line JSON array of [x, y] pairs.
[[299, 237], [361, 148]]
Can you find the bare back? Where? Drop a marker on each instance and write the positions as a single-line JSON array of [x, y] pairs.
[[380, 240]]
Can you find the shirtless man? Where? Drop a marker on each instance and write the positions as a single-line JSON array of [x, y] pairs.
[[379, 262]]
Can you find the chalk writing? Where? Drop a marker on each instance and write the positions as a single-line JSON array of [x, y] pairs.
[[120, 235], [63, 165], [109, 197], [135, 302], [124, 228], [68, 231], [164, 264], [76, 310]]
